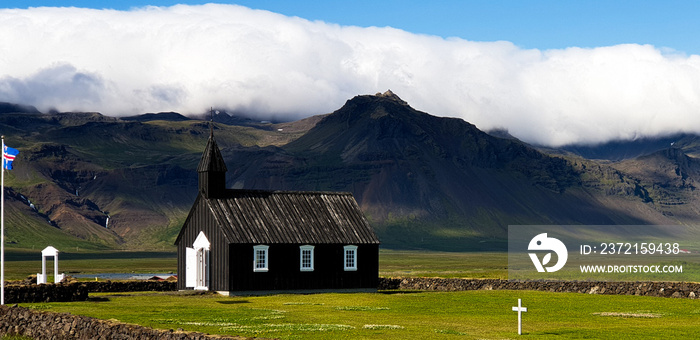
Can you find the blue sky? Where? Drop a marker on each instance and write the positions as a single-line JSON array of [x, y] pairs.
[[541, 24], [550, 72]]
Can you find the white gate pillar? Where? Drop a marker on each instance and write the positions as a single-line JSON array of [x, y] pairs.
[[41, 278]]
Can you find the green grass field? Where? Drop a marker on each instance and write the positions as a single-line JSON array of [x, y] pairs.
[[442, 264], [401, 315], [392, 314]]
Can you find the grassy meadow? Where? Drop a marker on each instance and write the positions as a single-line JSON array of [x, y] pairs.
[[400, 315], [492, 265], [387, 314]]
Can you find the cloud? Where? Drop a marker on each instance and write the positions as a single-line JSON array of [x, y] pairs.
[[189, 58], [53, 84]]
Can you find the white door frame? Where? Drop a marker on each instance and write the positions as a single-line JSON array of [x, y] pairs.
[[198, 277]]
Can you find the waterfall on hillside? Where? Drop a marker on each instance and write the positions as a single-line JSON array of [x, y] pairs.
[[29, 202]]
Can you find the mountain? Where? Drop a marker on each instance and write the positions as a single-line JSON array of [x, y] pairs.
[[671, 177], [166, 116], [425, 182], [619, 150], [105, 181], [431, 182], [16, 108]]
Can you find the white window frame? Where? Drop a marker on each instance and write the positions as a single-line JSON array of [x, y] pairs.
[[353, 249], [302, 249], [265, 259]]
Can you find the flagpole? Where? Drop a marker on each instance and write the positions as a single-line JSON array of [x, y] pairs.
[[2, 227]]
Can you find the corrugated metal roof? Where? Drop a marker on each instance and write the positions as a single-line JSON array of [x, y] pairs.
[[211, 158], [269, 217]]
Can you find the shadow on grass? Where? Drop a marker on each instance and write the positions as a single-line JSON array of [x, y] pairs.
[[233, 302], [98, 299], [390, 292]]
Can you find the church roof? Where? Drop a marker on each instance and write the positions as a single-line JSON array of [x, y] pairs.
[[211, 157], [296, 217]]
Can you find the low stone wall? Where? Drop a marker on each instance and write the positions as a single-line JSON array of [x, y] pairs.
[[45, 293], [129, 286], [78, 291], [660, 289], [44, 325]]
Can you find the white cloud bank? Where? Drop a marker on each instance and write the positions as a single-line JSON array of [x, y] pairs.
[[188, 58]]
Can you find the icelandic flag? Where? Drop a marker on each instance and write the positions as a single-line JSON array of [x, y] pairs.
[[9, 155]]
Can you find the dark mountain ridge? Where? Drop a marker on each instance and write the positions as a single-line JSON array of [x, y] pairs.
[[619, 150], [419, 177], [16, 108], [166, 116], [424, 182]]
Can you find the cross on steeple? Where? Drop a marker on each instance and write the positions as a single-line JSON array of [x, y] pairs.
[[211, 121]]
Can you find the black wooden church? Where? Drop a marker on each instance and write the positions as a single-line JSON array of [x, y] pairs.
[[251, 240]]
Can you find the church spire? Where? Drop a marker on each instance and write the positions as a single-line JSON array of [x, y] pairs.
[[212, 169]]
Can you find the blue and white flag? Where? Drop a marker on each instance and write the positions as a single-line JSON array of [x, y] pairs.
[[9, 155]]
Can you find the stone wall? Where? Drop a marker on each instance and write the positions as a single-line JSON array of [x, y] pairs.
[[660, 289], [45, 293], [78, 291], [129, 286], [45, 325]]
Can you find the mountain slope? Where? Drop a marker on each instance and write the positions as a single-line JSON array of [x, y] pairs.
[[424, 182], [672, 178], [621, 150], [111, 182]]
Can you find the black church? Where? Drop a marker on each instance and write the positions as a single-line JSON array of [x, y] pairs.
[[237, 240]]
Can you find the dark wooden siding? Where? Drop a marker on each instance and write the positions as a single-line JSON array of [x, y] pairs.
[[231, 264], [212, 184], [284, 272], [201, 219]]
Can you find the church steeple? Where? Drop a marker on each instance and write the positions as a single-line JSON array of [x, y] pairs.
[[212, 170]]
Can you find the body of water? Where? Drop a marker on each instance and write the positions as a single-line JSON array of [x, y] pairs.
[[121, 276]]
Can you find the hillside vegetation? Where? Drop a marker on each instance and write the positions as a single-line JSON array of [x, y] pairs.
[[94, 182]]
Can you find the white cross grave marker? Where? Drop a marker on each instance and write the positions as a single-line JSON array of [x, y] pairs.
[[520, 309]]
